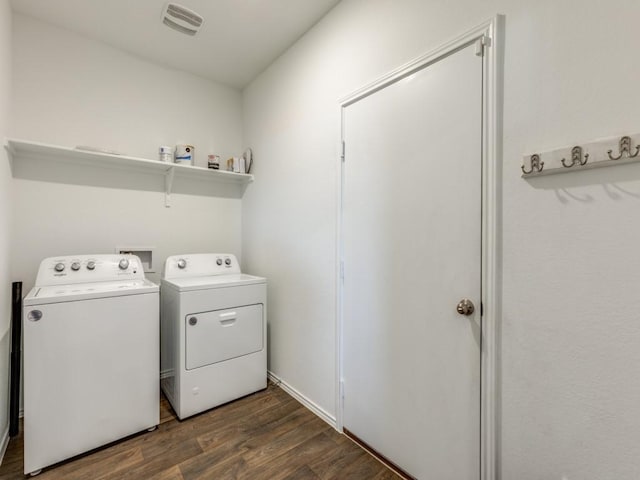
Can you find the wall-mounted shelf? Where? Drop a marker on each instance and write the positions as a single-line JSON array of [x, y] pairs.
[[600, 153], [22, 151]]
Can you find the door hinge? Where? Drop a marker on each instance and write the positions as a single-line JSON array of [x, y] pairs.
[[481, 43], [342, 154]]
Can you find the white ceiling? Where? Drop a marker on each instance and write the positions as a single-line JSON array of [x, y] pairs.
[[237, 41]]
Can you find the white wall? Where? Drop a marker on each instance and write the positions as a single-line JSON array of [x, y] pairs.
[[70, 90], [5, 217], [570, 332]]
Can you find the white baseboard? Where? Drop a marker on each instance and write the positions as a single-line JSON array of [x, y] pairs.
[[4, 442], [316, 409]]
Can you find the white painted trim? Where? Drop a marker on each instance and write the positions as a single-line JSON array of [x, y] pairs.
[[491, 249], [315, 408], [491, 224], [339, 394], [421, 62], [4, 443]]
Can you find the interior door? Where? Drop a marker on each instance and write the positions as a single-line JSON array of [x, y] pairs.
[[412, 252]]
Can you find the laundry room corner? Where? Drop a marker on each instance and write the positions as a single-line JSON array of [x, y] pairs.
[[5, 221], [400, 269], [71, 90]]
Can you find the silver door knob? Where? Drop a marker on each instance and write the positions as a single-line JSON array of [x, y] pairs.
[[465, 307]]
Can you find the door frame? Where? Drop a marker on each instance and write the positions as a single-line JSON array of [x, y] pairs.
[[489, 37]]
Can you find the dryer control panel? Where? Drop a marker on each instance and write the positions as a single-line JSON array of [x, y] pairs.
[[200, 265], [88, 269]]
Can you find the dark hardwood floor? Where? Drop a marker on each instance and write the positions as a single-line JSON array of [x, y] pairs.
[[267, 435]]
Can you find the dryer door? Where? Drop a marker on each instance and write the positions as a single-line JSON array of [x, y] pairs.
[[220, 335]]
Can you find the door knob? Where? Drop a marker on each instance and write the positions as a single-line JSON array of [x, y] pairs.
[[465, 307]]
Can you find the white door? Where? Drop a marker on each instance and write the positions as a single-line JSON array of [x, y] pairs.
[[412, 251]]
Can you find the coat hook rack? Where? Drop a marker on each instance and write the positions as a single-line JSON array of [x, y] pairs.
[[586, 156], [536, 165], [576, 158], [624, 149]]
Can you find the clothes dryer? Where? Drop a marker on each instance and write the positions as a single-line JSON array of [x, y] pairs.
[[213, 332]]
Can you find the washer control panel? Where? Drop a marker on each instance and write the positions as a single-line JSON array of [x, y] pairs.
[[88, 268], [200, 265]]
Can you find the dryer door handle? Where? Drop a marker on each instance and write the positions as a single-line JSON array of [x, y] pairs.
[[228, 319]]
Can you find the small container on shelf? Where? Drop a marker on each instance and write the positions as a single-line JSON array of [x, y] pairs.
[[213, 162], [236, 165], [185, 154], [165, 153]]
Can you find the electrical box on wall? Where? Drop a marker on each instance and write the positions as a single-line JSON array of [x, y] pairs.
[[145, 254]]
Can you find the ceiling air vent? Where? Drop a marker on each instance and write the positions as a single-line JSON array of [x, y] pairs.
[[181, 19]]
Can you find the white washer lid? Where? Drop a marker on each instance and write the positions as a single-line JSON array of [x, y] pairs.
[[212, 281], [87, 291]]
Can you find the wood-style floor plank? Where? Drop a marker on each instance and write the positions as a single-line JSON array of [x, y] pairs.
[[264, 436], [334, 466], [302, 473], [172, 473], [287, 463]]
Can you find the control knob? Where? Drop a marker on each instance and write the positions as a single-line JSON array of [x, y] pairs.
[[182, 263], [75, 266], [91, 265], [227, 261], [59, 267], [219, 262], [123, 264]]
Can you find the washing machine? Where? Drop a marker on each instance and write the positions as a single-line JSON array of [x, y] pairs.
[[91, 350], [213, 332]]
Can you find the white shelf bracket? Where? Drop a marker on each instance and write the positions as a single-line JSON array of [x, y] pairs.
[[168, 185]]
